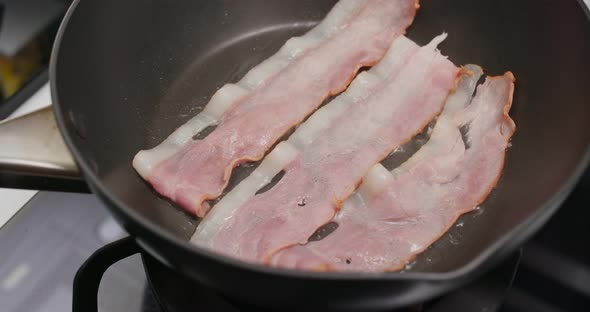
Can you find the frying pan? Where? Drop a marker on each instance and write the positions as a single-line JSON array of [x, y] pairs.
[[125, 74]]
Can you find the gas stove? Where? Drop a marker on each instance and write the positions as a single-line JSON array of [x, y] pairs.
[[45, 237], [55, 233]]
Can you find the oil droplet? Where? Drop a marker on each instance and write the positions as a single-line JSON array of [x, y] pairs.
[[248, 165], [455, 238], [399, 149], [477, 211], [410, 265]]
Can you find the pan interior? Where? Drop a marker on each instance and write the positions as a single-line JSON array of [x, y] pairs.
[[125, 85]]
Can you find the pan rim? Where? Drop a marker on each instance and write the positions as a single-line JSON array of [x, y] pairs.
[[490, 255]]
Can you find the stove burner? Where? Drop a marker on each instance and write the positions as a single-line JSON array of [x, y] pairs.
[[177, 293]]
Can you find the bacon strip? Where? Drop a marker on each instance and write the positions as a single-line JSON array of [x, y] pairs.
[[253, 114], [396, 216], [226, 96], [328, 169], [285, 152]]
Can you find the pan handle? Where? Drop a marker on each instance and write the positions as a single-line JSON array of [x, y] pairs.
[[88, 277], [32, 146]]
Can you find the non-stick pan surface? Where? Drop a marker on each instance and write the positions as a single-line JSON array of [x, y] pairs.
[[125, 74]]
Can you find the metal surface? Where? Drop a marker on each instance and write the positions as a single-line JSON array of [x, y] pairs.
[[33, 145], [69, 227], [89, 275], [122, 82], [34, 279], [44, 244], [485, 294]]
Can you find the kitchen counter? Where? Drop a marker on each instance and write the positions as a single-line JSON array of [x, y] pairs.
[[12, 200]]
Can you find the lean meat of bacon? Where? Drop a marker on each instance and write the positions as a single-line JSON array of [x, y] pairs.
[[252, 115], [394, 216], [327, 157]]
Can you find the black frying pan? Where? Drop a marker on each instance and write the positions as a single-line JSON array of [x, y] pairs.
[[125, 74]]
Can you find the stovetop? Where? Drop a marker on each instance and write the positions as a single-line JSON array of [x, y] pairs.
[[54, 234], [47, 241], [44, 244]]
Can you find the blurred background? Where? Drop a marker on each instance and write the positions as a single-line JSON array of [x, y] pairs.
[[27, 31]]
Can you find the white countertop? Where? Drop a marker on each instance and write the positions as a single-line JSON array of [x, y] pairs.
[[12, 200]]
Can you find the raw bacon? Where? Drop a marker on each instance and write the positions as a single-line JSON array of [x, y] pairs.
[[285, 152], [328, 169], [273, 97], [394, 216]]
